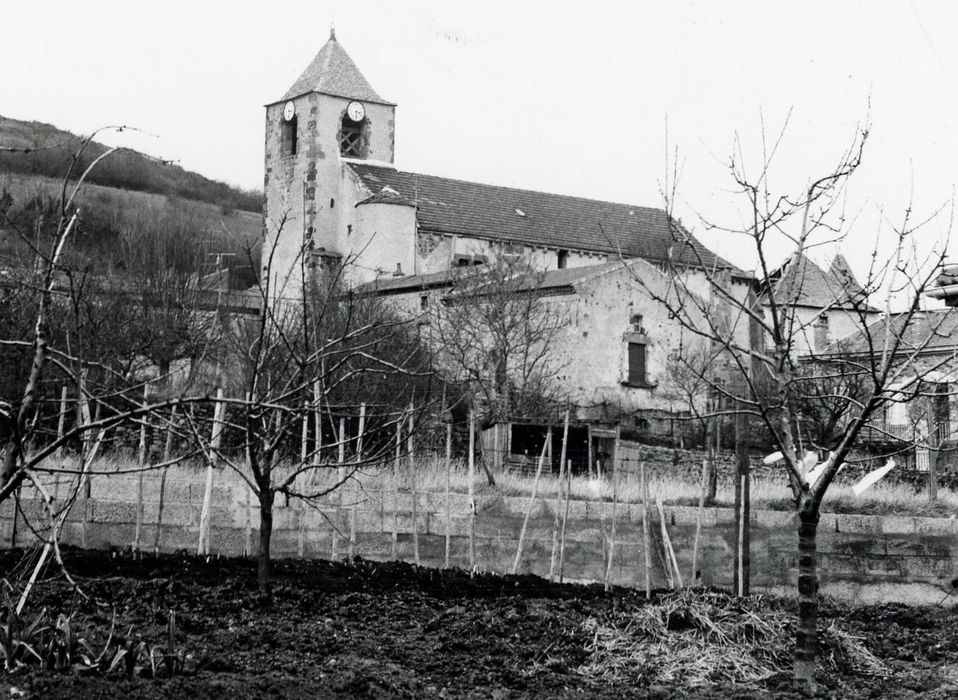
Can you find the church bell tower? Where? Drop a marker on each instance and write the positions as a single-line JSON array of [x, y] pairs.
[[330, 116]]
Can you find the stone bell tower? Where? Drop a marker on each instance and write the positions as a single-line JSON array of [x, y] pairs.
[[330, 116]]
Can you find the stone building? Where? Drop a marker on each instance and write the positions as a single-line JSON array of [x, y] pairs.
[[335, 197]]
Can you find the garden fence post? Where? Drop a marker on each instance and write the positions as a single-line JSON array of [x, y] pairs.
[[341, 458], [203, 546], [565, 517], [141, 459], [531, 502], [448, 475], [646, 540], [472, 498], [615, 502], [395, 518], [412, 483], [698, 523], [61, 426], [167, 452]]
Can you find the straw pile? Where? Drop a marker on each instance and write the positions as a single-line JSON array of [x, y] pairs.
[[697, 638]]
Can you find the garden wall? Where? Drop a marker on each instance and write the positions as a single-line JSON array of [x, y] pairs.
[[862, 558]]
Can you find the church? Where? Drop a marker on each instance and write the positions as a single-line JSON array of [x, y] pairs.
[[335, 197]]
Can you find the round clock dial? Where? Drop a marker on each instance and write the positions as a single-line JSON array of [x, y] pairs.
[[289, 111], [356, 111]]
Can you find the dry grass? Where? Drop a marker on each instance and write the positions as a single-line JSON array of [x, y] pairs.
[[767, 492], [770, 493], [694, 638]]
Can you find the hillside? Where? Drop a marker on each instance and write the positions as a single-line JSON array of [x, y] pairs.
[[116, 225], [130, 206], [47, 151]]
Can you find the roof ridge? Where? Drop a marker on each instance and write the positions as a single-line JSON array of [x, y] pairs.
[[507, 187]]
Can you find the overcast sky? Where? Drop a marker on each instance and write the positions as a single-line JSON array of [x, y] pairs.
[[569, 97]]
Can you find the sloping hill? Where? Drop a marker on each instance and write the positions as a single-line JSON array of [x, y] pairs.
[[48, 151], [131, 206]]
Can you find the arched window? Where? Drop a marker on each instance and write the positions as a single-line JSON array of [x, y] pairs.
[[351, 138]]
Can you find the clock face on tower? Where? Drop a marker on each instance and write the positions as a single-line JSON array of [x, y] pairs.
[[289, 111], [355, 111]]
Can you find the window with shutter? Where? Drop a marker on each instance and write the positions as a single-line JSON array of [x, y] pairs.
[[637, 364]]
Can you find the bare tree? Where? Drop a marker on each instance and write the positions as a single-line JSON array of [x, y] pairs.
[[768, 383], [495, 332], [691, 371], [54, 344], [340, 363]]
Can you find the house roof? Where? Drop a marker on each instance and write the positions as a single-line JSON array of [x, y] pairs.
[[934, 330], [450, 206], [800, 282], [550, 280], [332, 72]]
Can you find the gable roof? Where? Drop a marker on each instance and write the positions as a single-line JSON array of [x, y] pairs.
[[332, 72], [934, 331], [800, 282], [450, 206]]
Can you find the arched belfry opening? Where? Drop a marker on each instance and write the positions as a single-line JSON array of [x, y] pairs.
[[352, 137]]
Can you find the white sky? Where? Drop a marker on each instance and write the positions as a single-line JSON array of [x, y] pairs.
[[569, 97]]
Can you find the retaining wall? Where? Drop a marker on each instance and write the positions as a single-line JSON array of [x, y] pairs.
[[862, 558]]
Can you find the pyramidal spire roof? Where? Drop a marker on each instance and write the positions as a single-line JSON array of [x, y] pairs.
[[333, 72]]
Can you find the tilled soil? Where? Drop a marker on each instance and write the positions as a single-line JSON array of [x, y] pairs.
[[367, 629]]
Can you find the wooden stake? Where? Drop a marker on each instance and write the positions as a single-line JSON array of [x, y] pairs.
[[395, 543], [341, 458], [61, 426], [412, 483], [565, 518], [555, 521], [741, 542], [33, 577], [141, 458], [317, 423], [698, 523], [167, 452], [448, 478], [646, 540], [615, 503], [532, 500], [248, 543], [472, 498], [359, 460], [669, 552], [203, 546]]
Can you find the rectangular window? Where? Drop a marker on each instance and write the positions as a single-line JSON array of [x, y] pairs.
[[288, 138], [562, 259], [821, 332], [424, 302], [637, 364]]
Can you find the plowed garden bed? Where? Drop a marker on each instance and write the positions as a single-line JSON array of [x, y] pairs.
[[365, 629]]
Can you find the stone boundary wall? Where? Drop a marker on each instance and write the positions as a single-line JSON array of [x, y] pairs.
[[862, 558]]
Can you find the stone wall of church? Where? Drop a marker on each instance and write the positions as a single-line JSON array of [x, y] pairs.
[[436, 252], [383, 240]]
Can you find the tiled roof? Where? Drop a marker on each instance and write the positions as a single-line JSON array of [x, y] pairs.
[[407, 283], [333, 72], [537, 218], [545, 281], [934, 330], [800, 282]]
